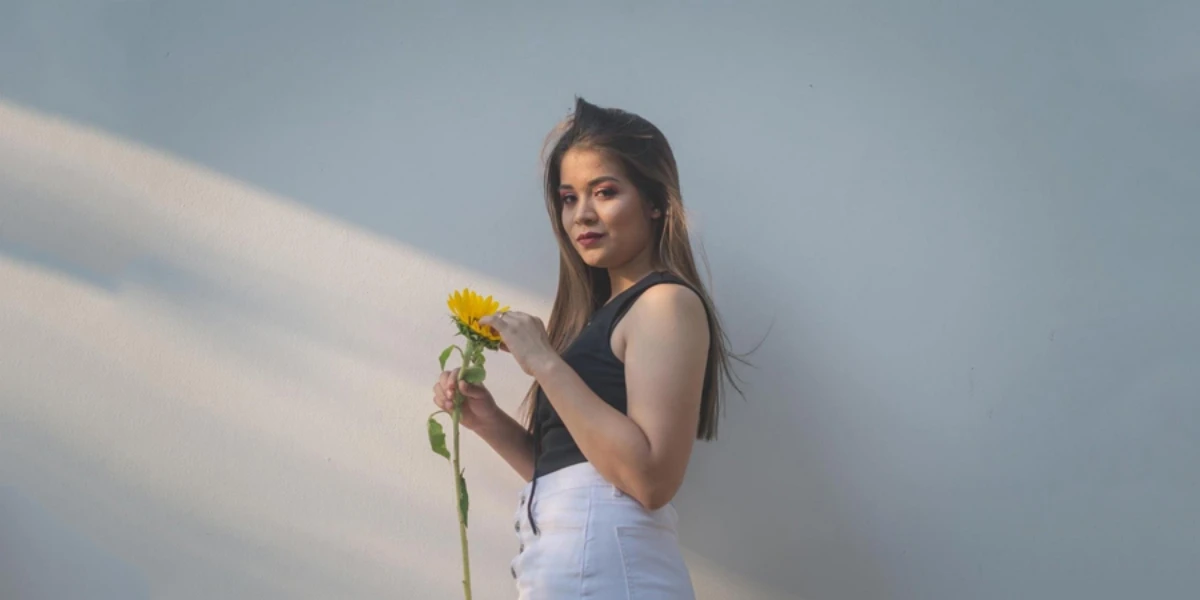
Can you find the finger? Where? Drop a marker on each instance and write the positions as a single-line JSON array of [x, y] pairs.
[[471, 390], [467, 389], [502, 319]]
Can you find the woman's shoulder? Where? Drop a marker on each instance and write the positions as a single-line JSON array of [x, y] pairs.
[[661, 299], [671, 294], [670, 302], [668, 319]]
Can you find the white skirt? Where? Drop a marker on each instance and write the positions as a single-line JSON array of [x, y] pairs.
[[596, 542]]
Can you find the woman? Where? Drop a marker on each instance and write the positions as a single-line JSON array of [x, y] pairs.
[[626, 376]]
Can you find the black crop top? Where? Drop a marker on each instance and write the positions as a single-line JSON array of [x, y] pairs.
[[591, 356]]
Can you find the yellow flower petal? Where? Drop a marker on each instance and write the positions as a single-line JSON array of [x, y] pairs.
[[467, 307]]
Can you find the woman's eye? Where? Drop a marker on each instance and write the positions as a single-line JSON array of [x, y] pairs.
[[607, 192], [567, 199]]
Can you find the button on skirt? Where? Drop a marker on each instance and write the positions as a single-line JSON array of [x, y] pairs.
[[595, 542]]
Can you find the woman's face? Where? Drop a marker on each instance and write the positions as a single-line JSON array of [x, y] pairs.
[[602, 212]]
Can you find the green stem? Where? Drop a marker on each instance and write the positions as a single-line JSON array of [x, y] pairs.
[[462, 524]]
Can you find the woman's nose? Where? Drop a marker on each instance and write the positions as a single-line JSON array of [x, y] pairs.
[[585, 213]]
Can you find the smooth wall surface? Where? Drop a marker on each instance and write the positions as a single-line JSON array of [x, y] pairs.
[[967, 231]]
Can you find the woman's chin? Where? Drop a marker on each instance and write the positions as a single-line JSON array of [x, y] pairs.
[[592, 258]]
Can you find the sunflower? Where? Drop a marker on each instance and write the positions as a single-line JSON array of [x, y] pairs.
[[467, 307]]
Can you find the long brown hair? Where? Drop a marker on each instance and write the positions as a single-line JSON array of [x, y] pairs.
[[644, 154]]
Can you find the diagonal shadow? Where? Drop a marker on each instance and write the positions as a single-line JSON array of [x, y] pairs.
[[217, 411]]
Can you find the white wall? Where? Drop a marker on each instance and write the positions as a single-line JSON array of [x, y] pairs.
[[227, 230]]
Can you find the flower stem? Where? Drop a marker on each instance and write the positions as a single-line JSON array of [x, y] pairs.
[[458, 480]]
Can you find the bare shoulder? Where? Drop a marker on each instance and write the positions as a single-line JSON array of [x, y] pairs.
[[667, 314], [672, 302]]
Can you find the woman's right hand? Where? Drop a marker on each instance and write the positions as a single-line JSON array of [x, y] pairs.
[[478, 406]]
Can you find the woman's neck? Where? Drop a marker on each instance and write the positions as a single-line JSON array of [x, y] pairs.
[[623, 277]]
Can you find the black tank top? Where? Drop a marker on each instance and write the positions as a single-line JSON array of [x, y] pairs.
[[591, 356]]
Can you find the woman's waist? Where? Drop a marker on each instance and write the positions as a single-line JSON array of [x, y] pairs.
[[578, 493], [580, 475]]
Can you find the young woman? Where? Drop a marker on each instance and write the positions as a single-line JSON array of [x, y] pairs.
[[625, 378]]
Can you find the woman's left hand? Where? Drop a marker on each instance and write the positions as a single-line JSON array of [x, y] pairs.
[[525, 337]]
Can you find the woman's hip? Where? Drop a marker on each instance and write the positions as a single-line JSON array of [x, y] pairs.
[[594, 541]]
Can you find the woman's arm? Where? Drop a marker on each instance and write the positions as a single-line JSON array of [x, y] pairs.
[[645, 453], [510, 440]]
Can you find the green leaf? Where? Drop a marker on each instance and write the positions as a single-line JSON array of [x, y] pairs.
[[446, 355], [464, 501], [437, 438], [474, 374]]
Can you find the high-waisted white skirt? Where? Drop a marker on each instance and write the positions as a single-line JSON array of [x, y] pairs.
[[596, 542]]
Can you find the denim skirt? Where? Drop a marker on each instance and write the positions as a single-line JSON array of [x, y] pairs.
[[596, 542]]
